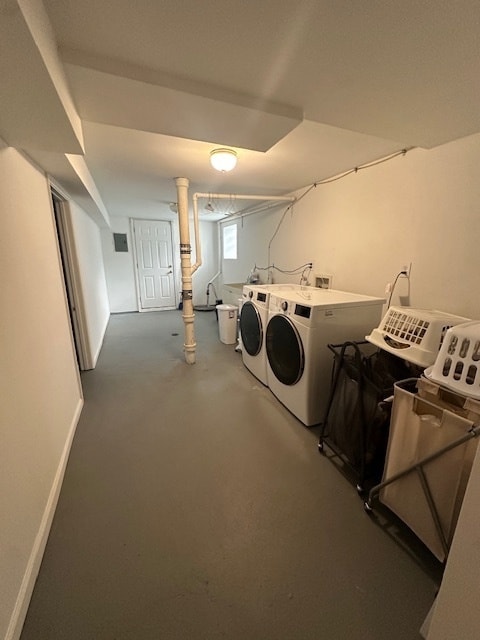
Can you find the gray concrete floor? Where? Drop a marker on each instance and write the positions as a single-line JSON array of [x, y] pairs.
[[196, 506]]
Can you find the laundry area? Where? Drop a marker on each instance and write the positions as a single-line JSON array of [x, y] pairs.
[[199, 507], [397, 404], [240, 328], [397, 407]]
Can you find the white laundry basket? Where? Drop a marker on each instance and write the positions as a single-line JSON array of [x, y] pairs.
[[415, 335], [457, 366], [227, 323]]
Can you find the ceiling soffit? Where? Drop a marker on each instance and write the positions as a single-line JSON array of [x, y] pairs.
[[125, 95]]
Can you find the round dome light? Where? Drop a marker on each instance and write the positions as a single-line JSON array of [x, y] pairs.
[[223, 159]]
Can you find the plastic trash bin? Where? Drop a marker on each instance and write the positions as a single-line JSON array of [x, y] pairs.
[[227, 323]]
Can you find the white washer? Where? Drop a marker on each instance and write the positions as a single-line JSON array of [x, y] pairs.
[[300, 326], [253, 322]]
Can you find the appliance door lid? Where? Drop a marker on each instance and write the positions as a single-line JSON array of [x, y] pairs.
[[251, 329], [284, 350]]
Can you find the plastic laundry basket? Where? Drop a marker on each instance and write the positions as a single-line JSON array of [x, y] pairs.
[[457, 366], [415, 335], [227, 323]]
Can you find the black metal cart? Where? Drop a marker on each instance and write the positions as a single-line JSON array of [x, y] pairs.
[[356, 423]]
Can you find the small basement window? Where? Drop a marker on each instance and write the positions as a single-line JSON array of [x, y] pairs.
[[230, 242]]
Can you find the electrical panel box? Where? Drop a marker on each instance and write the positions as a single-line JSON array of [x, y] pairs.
[[120, 241]]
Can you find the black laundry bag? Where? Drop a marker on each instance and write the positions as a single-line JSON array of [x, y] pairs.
[[357, 419]]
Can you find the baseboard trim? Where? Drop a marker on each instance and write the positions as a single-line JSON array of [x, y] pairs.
[[33, 566], [101, 341]]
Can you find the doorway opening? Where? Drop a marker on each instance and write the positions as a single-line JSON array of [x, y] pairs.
[[65, 245]]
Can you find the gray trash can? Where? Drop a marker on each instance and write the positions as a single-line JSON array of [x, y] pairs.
[[227, 323]]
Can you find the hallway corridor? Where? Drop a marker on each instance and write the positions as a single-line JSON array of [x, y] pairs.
[[195, 506]]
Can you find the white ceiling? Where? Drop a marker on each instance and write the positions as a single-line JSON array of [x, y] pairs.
[[301, 89]]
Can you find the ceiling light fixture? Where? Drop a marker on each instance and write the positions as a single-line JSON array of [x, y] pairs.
[[223, 159]]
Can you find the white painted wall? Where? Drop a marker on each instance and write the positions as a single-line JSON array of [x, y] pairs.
[[93, 286], [210, 265], [40, 388], [120, 270], [423, 208]]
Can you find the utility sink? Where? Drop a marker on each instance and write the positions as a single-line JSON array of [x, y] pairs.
[[232, 291]]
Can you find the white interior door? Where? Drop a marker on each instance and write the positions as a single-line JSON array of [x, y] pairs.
[[154, 261]]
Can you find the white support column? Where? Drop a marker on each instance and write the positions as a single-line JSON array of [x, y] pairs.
[[186, 267]]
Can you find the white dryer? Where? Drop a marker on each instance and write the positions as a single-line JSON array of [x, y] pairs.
[[253, 323], [300, 326]]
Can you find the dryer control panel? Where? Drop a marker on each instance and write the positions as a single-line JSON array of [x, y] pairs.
[[292, 308], [303, 311]]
